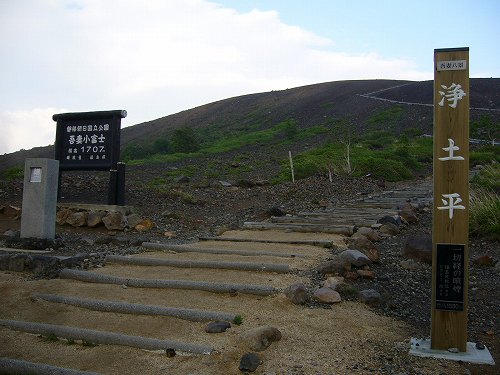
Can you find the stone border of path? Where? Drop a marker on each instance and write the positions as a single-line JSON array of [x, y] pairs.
[[92, 277], [135, 308], [242, 266], [16, 366], [103, 337], [205, 250]]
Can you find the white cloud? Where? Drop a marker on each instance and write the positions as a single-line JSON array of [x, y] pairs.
[[27, 129], [158, 57]]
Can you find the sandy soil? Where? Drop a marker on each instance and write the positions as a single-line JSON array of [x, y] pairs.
[[346, 338]]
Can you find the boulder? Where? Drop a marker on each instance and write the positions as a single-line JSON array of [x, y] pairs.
[[369, 233], [355, 258], [298, 293], [94, 218], [145, 226], [333, 282], [276, 211], [367, 247], [389, 219], [366, 274], [335, 266], [115, 221], [249, 362], [419, 247], [217, 327], [408, 213], [133, 220], [327, 295], [390, 229], [259, 339], [62, 215], [77, 219]]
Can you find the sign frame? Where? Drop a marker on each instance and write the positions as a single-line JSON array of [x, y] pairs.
[[109, 147]]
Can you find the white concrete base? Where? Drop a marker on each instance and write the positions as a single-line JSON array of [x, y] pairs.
[[422, 348]]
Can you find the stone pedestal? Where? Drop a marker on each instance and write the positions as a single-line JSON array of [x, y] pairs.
[[39, 198]]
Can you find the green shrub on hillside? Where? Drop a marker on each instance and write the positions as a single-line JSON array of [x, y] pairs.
[[386, 118], [184, 140], [12, 173]]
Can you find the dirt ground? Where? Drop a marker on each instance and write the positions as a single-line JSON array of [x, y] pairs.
[[345, 338]]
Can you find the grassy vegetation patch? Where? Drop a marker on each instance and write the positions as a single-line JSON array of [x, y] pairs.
[[484, 213], [12, 173]]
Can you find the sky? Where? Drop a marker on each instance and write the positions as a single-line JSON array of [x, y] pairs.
[[153, 58]]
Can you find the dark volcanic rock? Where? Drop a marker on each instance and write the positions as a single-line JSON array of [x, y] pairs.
[[419, 247]]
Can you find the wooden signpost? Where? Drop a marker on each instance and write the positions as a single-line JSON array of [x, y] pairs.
[[450, 260]]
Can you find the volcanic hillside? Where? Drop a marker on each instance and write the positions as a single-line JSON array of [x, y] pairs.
[[308, 106]]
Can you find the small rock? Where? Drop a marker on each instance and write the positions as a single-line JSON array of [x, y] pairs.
[[389, 219], [144, 226], [245, 184], [217, 327], [333, 282], [355, 258], [370, 296], [225, 184], [483, 260], [259, 339], [335, 266], [363, 244], [249, 362], [9, 233], [453, 350], [366, 274], [419, 247], [369, 233], [124, 286], [170, 352], [77, 219], [351, 276], [133, 220], [327, 295], [94, 218], [297, 293], [276, 211], [115, 221], [170, 234], [408, 213], [390, 229], [480, 346]]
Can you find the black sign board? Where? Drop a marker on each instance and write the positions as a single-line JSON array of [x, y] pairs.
[[450, 277], [88, 140]]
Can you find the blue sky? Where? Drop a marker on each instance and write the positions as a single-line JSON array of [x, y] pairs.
[[157, 57]]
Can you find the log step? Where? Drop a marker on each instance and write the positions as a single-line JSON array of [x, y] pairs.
[[242, 266], [93, 277], [190, 249], [138, 309]]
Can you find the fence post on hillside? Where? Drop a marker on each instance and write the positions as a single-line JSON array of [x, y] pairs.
[[291, 165]]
